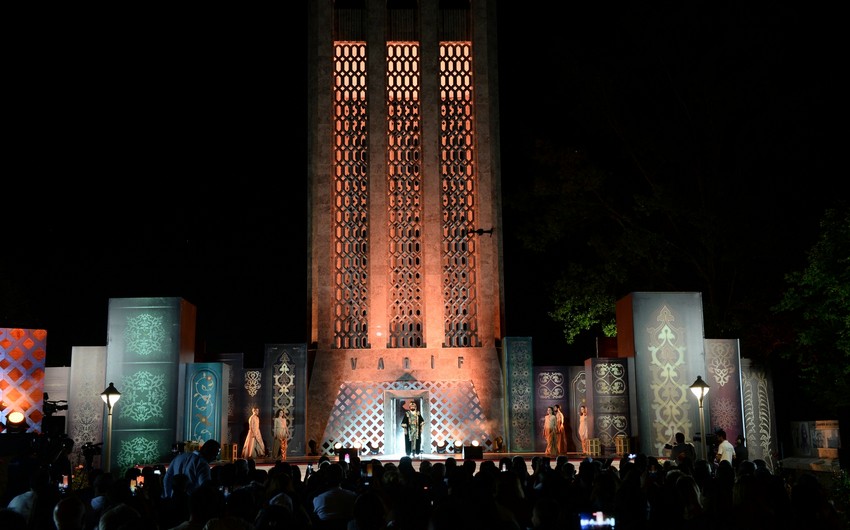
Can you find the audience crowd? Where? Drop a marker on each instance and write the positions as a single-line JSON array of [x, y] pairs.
[[445, 494]]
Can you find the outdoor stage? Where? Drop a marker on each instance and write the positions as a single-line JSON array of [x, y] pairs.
[[303, 461]]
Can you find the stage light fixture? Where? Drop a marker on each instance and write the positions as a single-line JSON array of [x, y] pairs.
[[338, 448], [475, 443], [700, 390], [441, 447], [16, 422], [373, 449], [110, 396], [457, 447]]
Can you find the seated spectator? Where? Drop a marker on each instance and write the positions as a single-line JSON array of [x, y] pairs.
[[69, 514], [335, 504]]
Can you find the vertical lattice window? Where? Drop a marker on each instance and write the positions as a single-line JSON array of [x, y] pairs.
[[404, 196], [351, 197], [457, 164]]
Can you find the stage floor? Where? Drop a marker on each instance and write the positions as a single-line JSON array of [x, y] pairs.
[[303, 461]]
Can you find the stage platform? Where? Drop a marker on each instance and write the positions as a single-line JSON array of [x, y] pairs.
[[303, 461]]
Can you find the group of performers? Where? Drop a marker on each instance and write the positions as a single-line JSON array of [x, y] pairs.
[[555, 434], [254, 446]]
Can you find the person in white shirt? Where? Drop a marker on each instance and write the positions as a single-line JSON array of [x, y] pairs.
[[725, 449]]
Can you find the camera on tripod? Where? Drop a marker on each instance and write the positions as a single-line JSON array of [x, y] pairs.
[[52, 407], [91, 450]]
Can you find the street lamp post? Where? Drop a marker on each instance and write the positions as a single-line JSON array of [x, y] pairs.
[[700, 390], [110, 396]]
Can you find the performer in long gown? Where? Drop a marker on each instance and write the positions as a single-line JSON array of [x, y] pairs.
[[582, 429], [281, 435], [562, 431], [550, 432], [254, 446]]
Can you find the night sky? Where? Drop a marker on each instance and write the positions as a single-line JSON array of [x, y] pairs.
[[168, 158]]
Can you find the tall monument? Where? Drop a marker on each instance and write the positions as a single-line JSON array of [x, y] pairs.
[[406, 285]]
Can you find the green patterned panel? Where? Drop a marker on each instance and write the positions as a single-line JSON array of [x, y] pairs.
[[520, 393]]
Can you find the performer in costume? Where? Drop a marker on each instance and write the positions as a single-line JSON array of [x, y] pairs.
[[562, 431], [412, 425], [550, 432], [582, 429], [254, 446], [281, 435]]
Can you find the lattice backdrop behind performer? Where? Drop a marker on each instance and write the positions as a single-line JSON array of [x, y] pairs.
[[454, 413]]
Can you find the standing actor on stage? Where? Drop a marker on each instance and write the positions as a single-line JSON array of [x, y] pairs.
[[582, 429], [281, 435], [412, 425], [254, 446]]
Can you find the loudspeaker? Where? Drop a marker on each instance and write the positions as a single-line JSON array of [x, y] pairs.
[[472, 452]]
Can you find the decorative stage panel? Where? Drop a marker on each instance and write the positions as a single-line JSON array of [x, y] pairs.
[[206, 401], [519, 389], [608, 403], [363, 411], [286, 369], [759, 413], [236, 420], [550, 389], [578, 396], [22, 355], [150, 342], [723, 376], [86, 410], [666, 334]]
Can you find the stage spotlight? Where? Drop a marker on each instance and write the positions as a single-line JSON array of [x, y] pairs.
[[457, 447], [373, 449], [358, 446], [441, 447], [16, 422], [475, 443], [338, 448]]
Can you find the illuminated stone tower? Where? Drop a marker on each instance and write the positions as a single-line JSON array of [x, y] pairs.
[[405, 240]]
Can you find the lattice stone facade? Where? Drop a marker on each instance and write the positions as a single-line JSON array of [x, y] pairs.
[[405, 241], [365, 412]]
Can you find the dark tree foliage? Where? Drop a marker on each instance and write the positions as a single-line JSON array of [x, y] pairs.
[[818, 299]]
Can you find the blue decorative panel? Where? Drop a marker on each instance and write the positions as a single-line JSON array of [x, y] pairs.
[[206, 401]]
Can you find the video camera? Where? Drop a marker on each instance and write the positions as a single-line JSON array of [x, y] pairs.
[[52, 407], [91, 449]]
